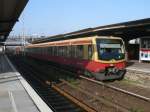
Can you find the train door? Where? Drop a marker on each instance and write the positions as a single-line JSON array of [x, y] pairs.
[[90, 52]]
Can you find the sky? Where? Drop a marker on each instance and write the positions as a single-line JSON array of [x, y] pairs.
[[52, 17]]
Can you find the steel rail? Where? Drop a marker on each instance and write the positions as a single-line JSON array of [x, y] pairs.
[[117, 89], [73, 99], [122, 109]]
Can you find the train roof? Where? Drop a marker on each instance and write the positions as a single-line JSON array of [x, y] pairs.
[[87, 40]]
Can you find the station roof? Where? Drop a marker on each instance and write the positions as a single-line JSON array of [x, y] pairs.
[[10, 11], [127, 30]]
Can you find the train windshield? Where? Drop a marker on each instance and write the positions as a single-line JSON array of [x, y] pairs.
[[110, 49]]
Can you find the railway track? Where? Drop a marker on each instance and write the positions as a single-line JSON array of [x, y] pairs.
[[123, 100], [147, 99], [56, 99], [116, 97]]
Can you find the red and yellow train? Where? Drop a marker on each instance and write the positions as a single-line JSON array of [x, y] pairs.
[[100, 57]]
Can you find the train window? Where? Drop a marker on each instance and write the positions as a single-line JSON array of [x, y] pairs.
[[39, 50], [72, 51], [66, 55], [59, 51], [65, 51], [90, 51], [30, 50], [35, 50], [62, 51], [75, 52], [54, 50], [43, 49], [79, 51], [46, 50], [109, 49], [52, 53], [68, 51], [49, 50]]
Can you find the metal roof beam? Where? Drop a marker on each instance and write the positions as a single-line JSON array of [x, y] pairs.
[[10, 11], [8, 21], [5, 31]]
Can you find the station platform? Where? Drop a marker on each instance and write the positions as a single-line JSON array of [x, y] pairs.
[[16, 95], [135, 65]]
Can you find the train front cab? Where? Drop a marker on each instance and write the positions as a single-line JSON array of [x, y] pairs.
[[108, 60]]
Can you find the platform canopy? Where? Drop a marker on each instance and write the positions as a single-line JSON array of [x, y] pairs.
[[10, 11], [127, 30]]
